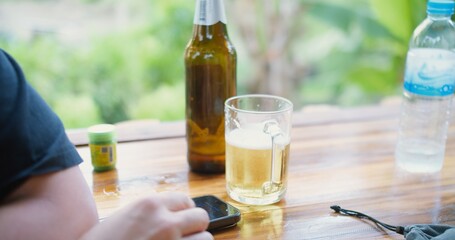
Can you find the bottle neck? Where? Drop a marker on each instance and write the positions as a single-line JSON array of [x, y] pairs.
[[439, 17], [209, 20], [203, 32]]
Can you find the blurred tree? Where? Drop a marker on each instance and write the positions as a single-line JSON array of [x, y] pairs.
[[311, 51], [111, 74], [327, 51], [268, 29]]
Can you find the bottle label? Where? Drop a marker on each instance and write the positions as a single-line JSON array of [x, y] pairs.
[[430, 72], [209, 12]]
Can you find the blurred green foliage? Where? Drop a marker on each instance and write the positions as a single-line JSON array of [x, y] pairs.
[[353, 52], [359, 57], [125, 75]]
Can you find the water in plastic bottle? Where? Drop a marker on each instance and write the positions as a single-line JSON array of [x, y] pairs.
[[428, 89]]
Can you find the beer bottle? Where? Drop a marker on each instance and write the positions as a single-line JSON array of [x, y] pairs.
[[210, 65]]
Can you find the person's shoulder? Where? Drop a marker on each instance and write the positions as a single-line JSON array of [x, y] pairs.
[[3, 52], [5, 58], [10, 73]]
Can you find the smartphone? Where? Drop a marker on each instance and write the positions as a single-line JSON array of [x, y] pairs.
[[221, 213]]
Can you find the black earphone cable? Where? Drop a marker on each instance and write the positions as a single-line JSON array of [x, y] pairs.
[[338, 209]]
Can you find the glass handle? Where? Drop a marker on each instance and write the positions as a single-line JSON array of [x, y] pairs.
[[272, 128]]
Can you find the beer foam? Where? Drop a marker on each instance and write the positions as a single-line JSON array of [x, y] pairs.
[[251, 137]]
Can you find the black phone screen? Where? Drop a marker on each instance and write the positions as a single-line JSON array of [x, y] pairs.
[[221, 213]]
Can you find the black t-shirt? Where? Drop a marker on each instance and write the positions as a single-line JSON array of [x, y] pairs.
[[32, 138]]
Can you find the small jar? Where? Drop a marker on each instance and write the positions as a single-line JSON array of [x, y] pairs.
[[103, 146]]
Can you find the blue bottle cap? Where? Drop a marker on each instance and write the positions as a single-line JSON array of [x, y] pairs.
[[443, 7]]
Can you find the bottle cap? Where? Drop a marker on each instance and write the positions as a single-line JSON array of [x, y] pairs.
[[209, 12], [101, 133], [444, 7]]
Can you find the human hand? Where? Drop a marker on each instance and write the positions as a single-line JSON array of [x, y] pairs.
[[169, 215]]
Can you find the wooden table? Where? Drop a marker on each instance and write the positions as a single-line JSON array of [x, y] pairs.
[[338, 156]]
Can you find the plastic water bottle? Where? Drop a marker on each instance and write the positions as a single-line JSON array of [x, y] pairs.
[[429, 82]]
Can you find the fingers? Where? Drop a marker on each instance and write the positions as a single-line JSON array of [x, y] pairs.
[[176, 201], [159, 216], [192, 220]]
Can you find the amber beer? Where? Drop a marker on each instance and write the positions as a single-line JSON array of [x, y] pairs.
[[210, 63], [258, 130], [250, 175]]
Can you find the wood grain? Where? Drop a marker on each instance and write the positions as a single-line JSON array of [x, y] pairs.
[[342, 157]]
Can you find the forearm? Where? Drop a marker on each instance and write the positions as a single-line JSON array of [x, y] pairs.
[[51, 206], [32, 219]]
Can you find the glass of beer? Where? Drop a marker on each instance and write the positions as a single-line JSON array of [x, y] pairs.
[[257, 138]]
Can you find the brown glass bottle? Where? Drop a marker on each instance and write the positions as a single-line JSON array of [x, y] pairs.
[[210, 63]]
